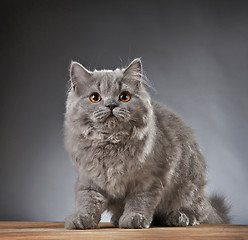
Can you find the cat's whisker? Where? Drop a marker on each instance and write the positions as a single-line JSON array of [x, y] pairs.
[[100, 114], [123, 110], [122, 114], [100, 110], [119, 117]]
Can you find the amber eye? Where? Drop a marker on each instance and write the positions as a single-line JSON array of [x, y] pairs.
[[125, 96], [95, 97]]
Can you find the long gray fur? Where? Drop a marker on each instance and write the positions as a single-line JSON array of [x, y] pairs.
[[139, 160]]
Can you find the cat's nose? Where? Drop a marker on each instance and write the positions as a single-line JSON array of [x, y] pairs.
[[111, 106]]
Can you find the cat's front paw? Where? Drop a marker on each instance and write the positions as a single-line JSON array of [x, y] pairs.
[[134, 220], [78, 221]]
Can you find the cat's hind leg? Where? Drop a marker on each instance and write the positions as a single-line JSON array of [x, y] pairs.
[[175, 218], [181, 218]]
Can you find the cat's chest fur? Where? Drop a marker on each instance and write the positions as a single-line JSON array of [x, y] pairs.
[[113, 162]]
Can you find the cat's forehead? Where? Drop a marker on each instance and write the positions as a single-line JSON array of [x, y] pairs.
[[108, 80], [108, 75]]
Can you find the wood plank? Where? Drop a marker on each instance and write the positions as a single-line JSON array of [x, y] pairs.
[[55, 230]]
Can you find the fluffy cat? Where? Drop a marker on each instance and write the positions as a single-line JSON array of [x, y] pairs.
[[134, 157]]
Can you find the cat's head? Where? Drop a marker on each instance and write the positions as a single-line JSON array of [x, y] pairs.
[[109, 98]]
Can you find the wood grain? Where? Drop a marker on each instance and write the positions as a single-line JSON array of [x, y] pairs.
[[55, 230]]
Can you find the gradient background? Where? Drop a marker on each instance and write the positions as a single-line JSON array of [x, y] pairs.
[[194, 52]]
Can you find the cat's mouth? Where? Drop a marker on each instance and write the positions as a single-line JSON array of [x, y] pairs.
[[113, 115], [103, 116]]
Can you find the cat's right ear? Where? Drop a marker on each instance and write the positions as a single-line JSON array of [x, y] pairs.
[[79, 76], [133, 73]]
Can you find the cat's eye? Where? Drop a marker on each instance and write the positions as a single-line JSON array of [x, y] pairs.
[[125, 96], [95, 97]]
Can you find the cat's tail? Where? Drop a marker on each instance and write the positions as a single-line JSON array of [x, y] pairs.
[[219, 210]]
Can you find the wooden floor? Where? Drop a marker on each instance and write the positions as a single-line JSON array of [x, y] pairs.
[[55, 230]]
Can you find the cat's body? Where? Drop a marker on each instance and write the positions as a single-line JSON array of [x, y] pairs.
[[134, 158]]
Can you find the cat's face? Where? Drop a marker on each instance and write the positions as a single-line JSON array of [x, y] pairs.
[[109, 98]]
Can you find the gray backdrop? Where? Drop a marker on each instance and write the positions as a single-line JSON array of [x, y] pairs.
[[194, 52]]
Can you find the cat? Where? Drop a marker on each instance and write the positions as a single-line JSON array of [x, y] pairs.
[[134, 157]]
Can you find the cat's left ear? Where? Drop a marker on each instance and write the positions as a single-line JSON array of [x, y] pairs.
[[80, 76], [133, 73]]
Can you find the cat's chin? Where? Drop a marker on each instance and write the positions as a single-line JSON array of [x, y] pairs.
[[111, 121]]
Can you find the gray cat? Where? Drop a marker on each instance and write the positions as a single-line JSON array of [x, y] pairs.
[[134, 157]]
